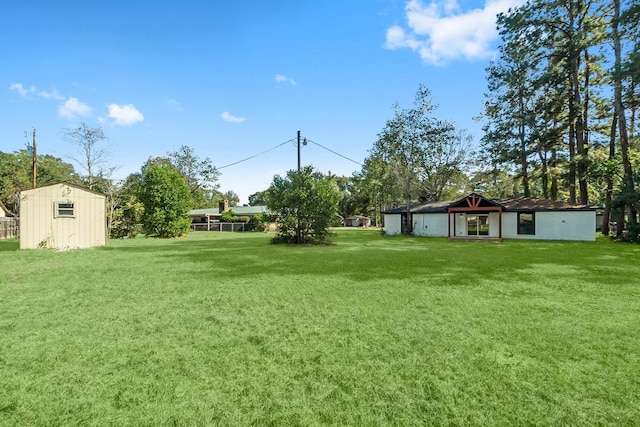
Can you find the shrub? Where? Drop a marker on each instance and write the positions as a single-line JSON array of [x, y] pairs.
[[166, 200], [633, 234], [304, 204]]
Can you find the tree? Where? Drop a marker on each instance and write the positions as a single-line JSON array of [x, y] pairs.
[[166, 200], [259, 198], [629, 197], [199, 174], [231, 197], [350, 201], [93, 157], [124, 210], [545, 105], [422, 153], [304, 204], [15, 175], [376, 184]]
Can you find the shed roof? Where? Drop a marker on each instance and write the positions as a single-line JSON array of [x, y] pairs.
[[79, 187]]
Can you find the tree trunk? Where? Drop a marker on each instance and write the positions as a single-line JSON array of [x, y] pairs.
[[572, 165], [554, 176], [606, 215], [579, 132], [619, 108], [524, 162]]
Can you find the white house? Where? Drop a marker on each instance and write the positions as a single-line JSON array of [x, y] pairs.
[[62, 216], [476, 217]]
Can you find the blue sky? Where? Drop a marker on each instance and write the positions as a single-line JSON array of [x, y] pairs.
[[235, 78]]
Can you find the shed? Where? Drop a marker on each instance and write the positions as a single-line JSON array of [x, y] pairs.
[[62, 216]]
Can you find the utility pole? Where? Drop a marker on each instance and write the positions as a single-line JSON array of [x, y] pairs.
[[304, 142], [35, 159], [298, 151]]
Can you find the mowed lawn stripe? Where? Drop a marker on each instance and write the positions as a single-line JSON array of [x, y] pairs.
[[228, 329]]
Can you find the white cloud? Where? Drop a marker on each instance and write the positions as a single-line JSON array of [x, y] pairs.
[[232, 119], [73, 108], [51, 95], [124, 115], [441, 31], [284, 79], [22, 91]]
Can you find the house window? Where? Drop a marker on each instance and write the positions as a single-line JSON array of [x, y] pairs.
[[64, 210], [526, 223]]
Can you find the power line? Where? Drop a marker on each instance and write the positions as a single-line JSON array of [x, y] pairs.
[[255, 155], [337, 154]]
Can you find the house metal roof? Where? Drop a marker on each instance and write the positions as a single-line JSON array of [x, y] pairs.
[[238, 210]]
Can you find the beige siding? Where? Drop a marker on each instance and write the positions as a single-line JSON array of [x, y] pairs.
[[40, 227]]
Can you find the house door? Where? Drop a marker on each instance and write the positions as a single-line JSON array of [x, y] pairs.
[[478, 225]]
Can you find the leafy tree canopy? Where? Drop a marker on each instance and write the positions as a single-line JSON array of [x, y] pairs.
[[166, 200], [200, 175], [304, 204], [15, 175]]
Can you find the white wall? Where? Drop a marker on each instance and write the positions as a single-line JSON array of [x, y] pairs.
[[430, 225], [555, 225], [392, 224]]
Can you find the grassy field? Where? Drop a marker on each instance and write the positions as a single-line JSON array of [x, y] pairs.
[[227, 329]]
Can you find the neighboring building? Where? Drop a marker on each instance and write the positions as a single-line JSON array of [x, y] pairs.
[[9, 224], [357, 221], [4, 212], [201, 219], [62, 216], [476, 217]]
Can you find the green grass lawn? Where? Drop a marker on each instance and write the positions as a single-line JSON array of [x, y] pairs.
[[227, 329]]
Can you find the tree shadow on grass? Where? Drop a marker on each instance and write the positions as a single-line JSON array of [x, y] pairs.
[[9, 245], [361, 257]]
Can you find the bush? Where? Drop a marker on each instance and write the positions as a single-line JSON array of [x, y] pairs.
[[260, 222], [126, 221], [166, 200], [633, 234], [304, 204]]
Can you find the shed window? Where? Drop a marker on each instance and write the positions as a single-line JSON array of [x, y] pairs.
[[64, 210], [526, 223]]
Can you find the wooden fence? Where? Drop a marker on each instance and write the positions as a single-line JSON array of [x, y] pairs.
[[9, 227]]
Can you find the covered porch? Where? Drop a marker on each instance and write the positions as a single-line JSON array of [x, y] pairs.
[[475, 218]]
